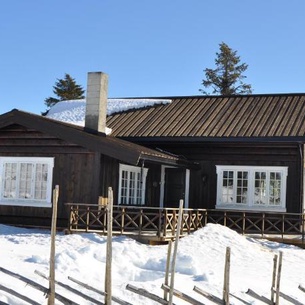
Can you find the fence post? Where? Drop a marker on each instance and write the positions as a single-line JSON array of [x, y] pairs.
[[278, 280], [226, 283], [173, 265], [169, 253], [273, 278], [51, 296], [108, 292]]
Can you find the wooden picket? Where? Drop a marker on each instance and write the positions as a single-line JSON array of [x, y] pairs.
[[71, 289], [37, 286], [115, 299], [147, 294]]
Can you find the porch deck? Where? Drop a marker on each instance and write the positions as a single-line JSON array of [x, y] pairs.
[[160, 224]]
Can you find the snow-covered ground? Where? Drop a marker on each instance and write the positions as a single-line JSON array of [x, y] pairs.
[[200, 262]]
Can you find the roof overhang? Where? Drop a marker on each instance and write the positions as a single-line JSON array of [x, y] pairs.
[[97, 142]]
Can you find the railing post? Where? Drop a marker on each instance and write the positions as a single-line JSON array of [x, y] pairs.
[[87, 219], [71, 218], [225, 218], [190, 218], [244, 223], [160, 223], [302, 224], [165, 222], [105, 220], [123, 220], [205, 217], [196, 220], [77, 213], [263, 225], [174, 223], [283, 226], [141, 221]]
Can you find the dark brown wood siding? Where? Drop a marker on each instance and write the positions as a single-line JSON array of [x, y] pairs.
[[82, 175], [208, 155]]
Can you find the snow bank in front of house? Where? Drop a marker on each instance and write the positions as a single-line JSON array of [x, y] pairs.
[[74, 111], [200, 262]]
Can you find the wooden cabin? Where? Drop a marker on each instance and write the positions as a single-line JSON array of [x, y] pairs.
[[235, 153]]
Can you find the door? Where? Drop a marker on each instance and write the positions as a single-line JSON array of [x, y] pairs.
[[174, 187]]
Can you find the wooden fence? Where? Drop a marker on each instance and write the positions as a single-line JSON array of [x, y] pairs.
[[161, 223]]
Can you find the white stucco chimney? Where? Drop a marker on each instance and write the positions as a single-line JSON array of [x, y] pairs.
[[96, 102]]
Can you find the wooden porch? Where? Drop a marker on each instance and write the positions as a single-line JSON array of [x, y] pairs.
[[160, 224]]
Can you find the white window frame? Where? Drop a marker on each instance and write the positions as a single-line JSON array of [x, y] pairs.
[[131, 199], [46, 202], [250, 196]]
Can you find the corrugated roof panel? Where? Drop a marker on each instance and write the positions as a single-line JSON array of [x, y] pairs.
[[177, 118], [273, 117], [207, 113], [299, 114], [237, 126], [264, 115]]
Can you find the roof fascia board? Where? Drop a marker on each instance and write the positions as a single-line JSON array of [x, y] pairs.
[[296, 139]]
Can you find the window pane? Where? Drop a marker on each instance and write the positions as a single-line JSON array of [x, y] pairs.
[[124, 187], [242, 187], [25, 181], [139, 189], [132, 190], [41, 179], [10, 180], [227, 186], [260, 196], [275, 188]]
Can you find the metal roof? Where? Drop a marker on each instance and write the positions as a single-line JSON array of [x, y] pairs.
[[239, 116]]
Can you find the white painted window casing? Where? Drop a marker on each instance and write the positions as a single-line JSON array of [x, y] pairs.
[[132, 185], [258, 188], [26, 181]]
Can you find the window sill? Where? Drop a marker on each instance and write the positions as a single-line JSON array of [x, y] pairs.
[[250, 208], [36, 204]]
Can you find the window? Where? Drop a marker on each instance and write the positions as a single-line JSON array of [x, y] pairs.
[[26, 181], [251, 187], [132, 185]]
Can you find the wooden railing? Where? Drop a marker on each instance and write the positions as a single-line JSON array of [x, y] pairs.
[[162, 222]]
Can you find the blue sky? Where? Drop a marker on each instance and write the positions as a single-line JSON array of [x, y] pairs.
[[148, 48]]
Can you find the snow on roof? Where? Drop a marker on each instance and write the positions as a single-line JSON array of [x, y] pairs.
[[73, 111]]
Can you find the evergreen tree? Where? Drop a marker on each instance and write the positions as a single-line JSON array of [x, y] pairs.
[[227, 78], [65, 89]]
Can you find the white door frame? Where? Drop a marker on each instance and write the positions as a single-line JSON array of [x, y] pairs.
[[187, 186]]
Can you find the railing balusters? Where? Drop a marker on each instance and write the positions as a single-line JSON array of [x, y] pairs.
[[162, 222]]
